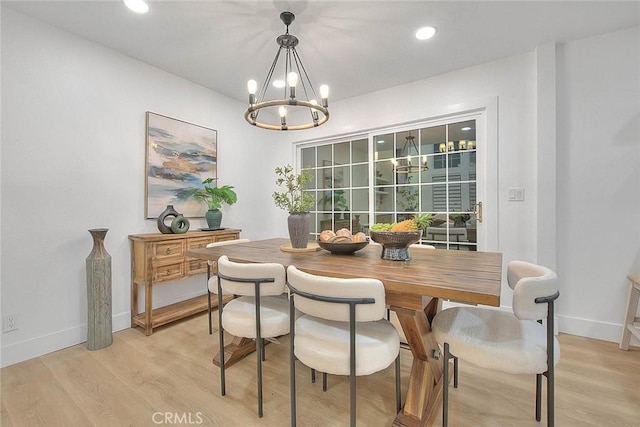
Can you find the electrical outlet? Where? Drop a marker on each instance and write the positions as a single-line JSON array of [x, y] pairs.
[[10, 323]]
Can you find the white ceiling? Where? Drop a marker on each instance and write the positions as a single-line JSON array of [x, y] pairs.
[[353, 46]]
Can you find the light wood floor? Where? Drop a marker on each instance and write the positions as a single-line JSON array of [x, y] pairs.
[[171, 372]]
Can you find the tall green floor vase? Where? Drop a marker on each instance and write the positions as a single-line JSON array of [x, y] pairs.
[[99, 326]]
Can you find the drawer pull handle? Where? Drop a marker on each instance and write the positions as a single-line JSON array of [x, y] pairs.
[[167, 273], [168, 251]]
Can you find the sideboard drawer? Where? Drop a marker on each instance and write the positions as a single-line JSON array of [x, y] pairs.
[[168, 272], [198, 242], [168, 248]]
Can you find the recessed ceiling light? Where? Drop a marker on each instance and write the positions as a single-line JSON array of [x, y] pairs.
[[278, 83], [137, 6], [425, 33], [466, 128]]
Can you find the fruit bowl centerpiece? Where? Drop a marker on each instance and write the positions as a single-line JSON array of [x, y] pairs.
[[396, 238], [342, 242]]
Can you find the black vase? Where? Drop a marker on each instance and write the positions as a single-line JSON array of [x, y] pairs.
[[168, 212]]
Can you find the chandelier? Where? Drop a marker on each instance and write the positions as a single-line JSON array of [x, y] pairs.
[[295, 79], [403, 164]]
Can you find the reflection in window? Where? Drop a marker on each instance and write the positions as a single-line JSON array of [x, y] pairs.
[[356, 183]]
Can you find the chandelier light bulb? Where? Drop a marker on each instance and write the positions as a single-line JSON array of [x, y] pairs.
[[324, 92], [252, 86], [292, 79], [282, 111]]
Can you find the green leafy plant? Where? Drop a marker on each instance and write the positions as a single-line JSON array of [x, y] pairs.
[[215, 196], [294, 198]]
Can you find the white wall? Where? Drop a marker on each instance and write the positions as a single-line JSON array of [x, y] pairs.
[[598, 160], [73, 157]]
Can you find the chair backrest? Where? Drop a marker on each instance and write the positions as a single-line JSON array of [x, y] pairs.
[[530, 281], [237, 270], [341, 288], [225, 243]]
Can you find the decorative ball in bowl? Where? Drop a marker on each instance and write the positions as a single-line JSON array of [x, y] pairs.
[[395, 244], [343, 248]]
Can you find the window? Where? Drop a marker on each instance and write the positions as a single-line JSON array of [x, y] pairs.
[[355, 182]]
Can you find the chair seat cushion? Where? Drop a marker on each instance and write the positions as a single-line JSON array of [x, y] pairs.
[[239, 316], [494, 339], [377, 345]]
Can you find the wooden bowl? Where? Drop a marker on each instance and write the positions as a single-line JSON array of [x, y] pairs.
[[345, 248]]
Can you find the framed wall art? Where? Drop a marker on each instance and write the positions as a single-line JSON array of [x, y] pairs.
[[180, 155]]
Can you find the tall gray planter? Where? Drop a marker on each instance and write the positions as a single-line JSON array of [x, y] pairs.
[[99, 326], [299, 228]]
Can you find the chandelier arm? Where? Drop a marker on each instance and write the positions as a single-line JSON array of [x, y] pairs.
[[306, 76], [265, 85]]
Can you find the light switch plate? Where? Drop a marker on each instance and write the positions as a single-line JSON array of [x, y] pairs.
[[516, 194]]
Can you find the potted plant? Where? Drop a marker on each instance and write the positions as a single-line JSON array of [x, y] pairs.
[[297, 201], [215, 196]]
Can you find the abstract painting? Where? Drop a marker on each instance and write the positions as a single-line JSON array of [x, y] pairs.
[[180, 156]]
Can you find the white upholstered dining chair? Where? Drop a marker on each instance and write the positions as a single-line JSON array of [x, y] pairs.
[[260, 311], [516, 343], [212, 280], [340, 329]]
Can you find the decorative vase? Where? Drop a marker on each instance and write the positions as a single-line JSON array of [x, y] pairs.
[[168, 212], [299, 228], [99, 293], [180, 225], [214, 218]]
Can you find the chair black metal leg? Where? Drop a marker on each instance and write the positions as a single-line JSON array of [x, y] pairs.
[[550, 366], [292, 361], [313, 375], [538, 396], [324, 381], [259, 354], [445, 386], [209, 301], [455, 372], [259, 348], [221, 340], [264, 351], [398, 391]]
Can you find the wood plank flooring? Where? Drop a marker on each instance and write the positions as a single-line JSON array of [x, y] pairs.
[[168, 379]]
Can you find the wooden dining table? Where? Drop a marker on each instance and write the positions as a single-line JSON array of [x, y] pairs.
[[462, 276]]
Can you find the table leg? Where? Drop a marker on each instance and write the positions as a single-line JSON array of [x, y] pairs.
[[425, 383], [148, 305], [236, 351]]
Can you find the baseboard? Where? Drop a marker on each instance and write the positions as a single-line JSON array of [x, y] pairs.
[[34, 347], [589, 328]]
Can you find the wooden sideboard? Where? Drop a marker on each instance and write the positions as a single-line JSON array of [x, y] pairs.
[[158, 258]]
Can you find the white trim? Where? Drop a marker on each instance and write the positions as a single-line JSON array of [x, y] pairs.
[[38, 346]]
